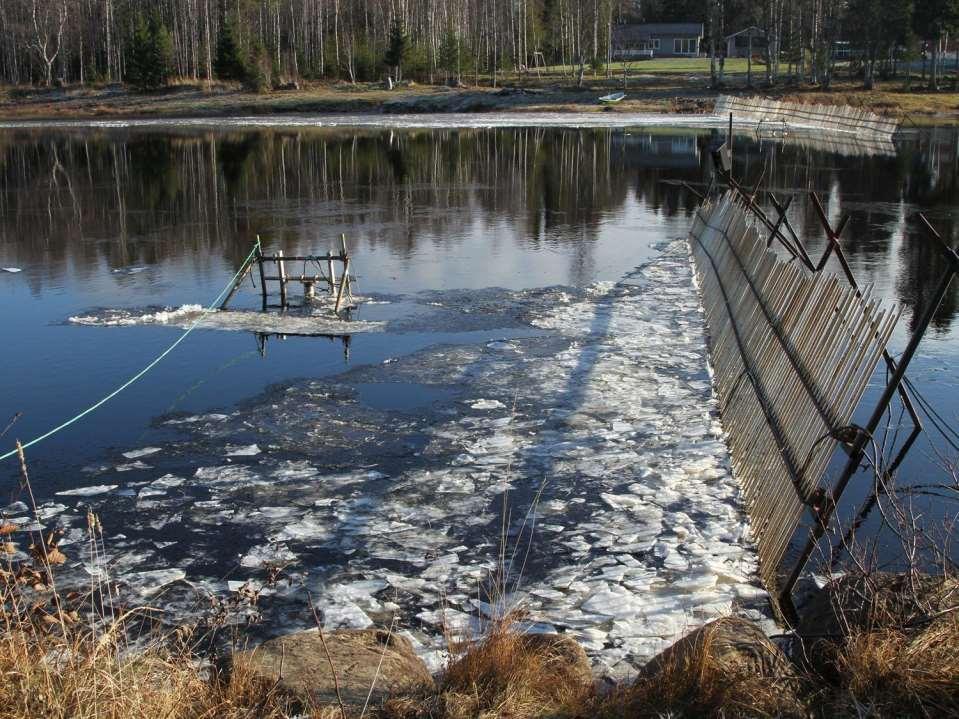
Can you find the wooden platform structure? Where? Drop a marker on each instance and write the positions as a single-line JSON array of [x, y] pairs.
[[314, 270]]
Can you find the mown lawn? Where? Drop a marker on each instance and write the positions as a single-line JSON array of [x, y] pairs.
[[663, 66]]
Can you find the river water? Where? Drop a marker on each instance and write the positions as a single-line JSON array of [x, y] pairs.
[[525, 383]]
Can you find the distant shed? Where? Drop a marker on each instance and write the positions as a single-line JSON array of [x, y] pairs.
[[749, 38]]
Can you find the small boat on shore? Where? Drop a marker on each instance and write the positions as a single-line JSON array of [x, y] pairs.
[[612, 98]]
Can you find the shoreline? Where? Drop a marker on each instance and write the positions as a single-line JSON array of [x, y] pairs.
[[194, 101]]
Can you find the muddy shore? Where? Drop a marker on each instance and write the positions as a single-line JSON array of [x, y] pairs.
[[653, 95]]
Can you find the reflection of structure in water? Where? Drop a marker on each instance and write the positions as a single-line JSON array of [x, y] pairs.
[[648, 150], [263, 337]]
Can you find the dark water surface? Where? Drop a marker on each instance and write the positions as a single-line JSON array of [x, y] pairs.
[[455, 231]]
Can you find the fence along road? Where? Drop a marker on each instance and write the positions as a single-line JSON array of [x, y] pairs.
[[792, 352]]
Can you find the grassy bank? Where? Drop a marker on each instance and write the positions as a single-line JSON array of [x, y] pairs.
[[660, 86], [60, 668]]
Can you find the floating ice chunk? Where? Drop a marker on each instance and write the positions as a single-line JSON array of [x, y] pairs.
[[150, 491], [307, 529], [267, 554], [353, 477], [213, 417], [48, 510], [87, 491], [131, 466], [295, 470], [623, 501], [145, 451], [250, 450], [695, 583], [611, 601], [481, 404], [279, 512], [125, 317], [235, 476], [162, 522], [12, 270], [168, 481], [749, 592], [152, 581], [343, 614], [449, 620]]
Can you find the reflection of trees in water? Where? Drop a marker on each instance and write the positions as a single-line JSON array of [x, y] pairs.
[[922, 265], [878, 193], [137, 197], [143, 197]]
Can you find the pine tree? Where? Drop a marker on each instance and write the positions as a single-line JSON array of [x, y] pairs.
[[138, 56], [229, 63], [150, 55], [398, 47], [448, 58], [255, 76], [161, 65]]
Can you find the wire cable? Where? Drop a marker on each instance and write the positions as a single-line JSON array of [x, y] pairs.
[[142, 372]]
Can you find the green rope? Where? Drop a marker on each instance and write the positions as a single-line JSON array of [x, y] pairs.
[[142, 372]]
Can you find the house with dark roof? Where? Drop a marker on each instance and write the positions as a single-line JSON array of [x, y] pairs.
[[657, 39], [751, 38]]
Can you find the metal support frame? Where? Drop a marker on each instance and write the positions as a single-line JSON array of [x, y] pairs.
[[340, 288]]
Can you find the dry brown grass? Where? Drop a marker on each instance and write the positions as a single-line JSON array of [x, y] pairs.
[[891, 672], [504, 674], [79, 655], [897, 661], [55, 665], [705, 680]]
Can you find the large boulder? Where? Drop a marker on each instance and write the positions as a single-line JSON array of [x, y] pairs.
[[733, 644], [300, 666], [725, 668]]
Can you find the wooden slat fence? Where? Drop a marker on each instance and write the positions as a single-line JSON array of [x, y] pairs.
[[832, 118], [792, 352]]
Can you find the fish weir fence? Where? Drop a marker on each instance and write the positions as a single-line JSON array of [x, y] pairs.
[[764, 112], [792, 352]]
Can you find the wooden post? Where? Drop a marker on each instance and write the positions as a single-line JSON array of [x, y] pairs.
[[259, 263], [281, 266], [332, 271], [309, 291], [343, 279]]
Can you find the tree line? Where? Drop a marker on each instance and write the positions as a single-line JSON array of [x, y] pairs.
[[262, 42]]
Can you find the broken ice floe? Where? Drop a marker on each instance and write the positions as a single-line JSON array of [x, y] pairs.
[[143, 452], [120, 317], [623, 523], [250, 450], [11, 270], [305, 322], [87, 491]]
